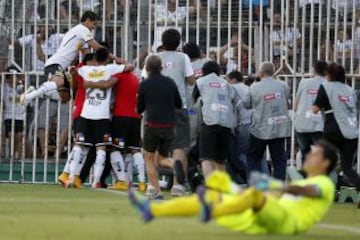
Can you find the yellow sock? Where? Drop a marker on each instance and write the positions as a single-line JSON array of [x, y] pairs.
[[183, 206], [238, 203]]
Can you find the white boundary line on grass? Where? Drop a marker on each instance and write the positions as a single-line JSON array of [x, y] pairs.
[[344, 228]]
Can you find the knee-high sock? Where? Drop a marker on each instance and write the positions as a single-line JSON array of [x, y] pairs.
[[79, 154], [44, 88], [139, 165], [99, 165], [182, 206], [68, 162], [129, 165], [118, 165], [251, 198]]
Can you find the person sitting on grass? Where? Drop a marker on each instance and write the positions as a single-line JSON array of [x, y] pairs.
[[268, 206]]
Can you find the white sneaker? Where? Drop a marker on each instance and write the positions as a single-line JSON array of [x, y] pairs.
[[150, 191], [178, 191], [23, 99]]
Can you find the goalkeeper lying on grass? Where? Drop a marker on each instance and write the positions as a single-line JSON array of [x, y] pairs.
[[267, 206]]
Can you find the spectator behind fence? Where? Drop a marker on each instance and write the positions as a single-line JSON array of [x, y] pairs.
[[343, 47], [13, 109], [218, 102], [338, 102], [309, 126], [270, 120], [159, 105]]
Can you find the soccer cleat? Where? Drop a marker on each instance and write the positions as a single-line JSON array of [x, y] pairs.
[[77, 182], [142, 187], [120, 185], [158, 197], [23, 99], [205, 212], [178, 191], [63, 178], [142, 204]]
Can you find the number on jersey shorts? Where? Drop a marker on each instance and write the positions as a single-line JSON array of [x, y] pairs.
[[93, 132]]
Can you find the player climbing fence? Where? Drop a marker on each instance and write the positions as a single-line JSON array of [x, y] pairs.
[[290, 33]]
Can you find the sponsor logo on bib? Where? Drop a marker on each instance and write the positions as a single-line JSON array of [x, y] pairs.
[[312, 92], [272, 96]]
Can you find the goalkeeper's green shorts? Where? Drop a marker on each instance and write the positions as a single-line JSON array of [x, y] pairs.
[[272, 218]]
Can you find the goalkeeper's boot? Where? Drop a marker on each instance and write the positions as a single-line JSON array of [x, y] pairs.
[[221, 182], [63, 178], [142, 187], [206, 208], [120, 185], [142, 204]]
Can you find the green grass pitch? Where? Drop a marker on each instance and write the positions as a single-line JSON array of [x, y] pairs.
[[51, 212]]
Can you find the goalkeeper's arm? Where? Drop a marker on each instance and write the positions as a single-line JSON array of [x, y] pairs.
[[306, 191]]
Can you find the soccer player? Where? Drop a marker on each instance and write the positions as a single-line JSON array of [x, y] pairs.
[[80, 96], [301, 204], [125, 132], [94, 122], [73, 42]]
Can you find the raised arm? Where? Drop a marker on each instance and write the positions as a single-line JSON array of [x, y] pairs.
[[311, 191], [95, 45]]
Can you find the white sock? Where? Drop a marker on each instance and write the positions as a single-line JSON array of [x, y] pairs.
[[68, 162], [44, 88], [139, 165], [118, 165], [129, 165], [78, 159], [84, 153], [99, 165]]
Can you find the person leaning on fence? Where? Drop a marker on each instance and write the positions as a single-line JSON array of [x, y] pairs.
[[218, 101], [338, 102], [270, 120], [309, 126]]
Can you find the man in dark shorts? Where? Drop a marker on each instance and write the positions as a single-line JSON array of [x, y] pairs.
[[158, 97], [73, 41], [218, 101]]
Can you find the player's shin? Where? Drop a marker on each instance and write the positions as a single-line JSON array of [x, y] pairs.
[[118, 165], [74, 165], [182, 206], [129, 165], [44, 88], [68, 162], [98, 166], [139, 165]]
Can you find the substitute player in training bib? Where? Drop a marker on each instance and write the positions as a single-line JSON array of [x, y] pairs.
[[284, 209], [94, 122]]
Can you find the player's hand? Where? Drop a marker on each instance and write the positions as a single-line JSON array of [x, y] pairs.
[[263, 182]]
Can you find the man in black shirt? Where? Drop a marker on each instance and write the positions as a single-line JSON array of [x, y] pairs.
[[158, 97]]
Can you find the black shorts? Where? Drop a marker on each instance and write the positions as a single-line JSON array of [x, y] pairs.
[[76, 125], [125, 132], [214, 143], [182, 130], [158, 139], [18, 126], [57, 70], [93, 132]]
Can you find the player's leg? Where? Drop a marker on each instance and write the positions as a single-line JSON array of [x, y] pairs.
[[129, 166], [257, 149], [79, 153], [223, 138], [56, 79], [139, 165], [278, 157], [207, 149], [99, 166]]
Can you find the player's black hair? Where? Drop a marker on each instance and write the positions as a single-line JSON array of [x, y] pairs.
[[330, 152], [171, 39], [211, 67], [336, 73], [320, 67], [89, 15], [102, 55], [153, 64], [88, 57], [104, 44], [236, 75], [192, 50]]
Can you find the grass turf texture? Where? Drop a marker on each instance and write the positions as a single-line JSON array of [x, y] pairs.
[[51, 212]]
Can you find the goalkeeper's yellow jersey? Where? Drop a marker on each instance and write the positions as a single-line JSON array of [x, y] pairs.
[[308, 211]]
